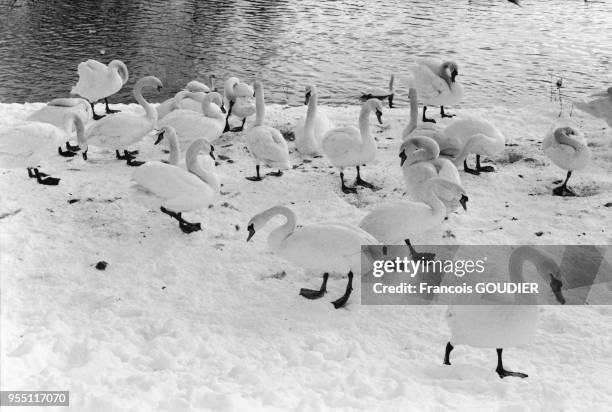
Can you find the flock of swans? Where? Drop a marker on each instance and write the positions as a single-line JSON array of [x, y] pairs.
[[192, 120]]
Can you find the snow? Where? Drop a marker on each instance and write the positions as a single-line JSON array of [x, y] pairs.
[[206, 321]]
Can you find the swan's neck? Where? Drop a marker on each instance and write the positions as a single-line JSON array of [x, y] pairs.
[[206, 176], [468, 147], [414, 109], [150, 111], [278, 235], [174, 150], [562, 138], [445, 76], [432, 199], [364, 127], [515, 268], [260, 107], [311, 113]]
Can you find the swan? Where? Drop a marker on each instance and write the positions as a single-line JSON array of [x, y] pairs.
[[168, 133], [55, 112], [398, 221], [601, 107], [436, 84], [349, 146], [177, 189], [501, 326], [328, 247], [190, 125], [381, 94], [266, 144], [120, 130], [565, 147], [425, 129], [28, 143], [471, 135], [239, 97], [190, 102], [310, 129], [98, 81]]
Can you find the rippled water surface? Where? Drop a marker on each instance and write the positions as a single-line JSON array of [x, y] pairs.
[[506, 54]]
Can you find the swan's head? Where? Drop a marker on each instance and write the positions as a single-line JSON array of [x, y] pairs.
[[244, 90], [566, 131], [121, 70], [376, 106], [607, 93], [412, 93], [149, 81], [161, 133], [310, 90], [196, 86], [550, 271], [417, 149], [257, 222], [453, 69]]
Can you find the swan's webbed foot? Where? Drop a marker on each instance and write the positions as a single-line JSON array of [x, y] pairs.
[[426, 256], [185, 226], [65, 153], [469, 170], [449, 348], [226, 128], [33, 172], [360, 182], [503, 372], [97, 116], [316, 294], [443, 115], [134, 163], [425, 118], [43, 178], [480, 168], [256, 178], [338, 303], [563, 191], [275, 174], [72, 148], [108, 109], [239, 128], [126, 155]]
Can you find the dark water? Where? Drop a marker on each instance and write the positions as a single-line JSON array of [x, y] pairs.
[[506, 53]]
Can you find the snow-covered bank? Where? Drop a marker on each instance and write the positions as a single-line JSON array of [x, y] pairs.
[[208, 321]]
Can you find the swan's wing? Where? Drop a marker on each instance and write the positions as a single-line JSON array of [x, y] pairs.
[[118, 130], [340, 142], [27, 140], [429, 84], [268, 145], [165, 181]]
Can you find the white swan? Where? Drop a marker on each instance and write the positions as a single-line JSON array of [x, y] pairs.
[[566, 148], [601, 107], [435, 81], [120, 130], [187, 101], [180, 190], [398, 221], [381, 94], [266, 144], [501, 326], [311, 128], [190, 125], [349, 146], [207, 162], [329, 247], [27, 144], [56, 110], [413, 127], [239, 98], [99, 81]]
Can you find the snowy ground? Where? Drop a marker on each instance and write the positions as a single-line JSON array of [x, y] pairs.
[[207, 321]]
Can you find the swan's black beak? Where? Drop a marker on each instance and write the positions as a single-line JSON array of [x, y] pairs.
[[223, 109], [464, 199], [454, 74], [555, 285], [85, 155], [160, 137], [403, 156], [379, 116], [212, 149], [251, 230], [307, 98]]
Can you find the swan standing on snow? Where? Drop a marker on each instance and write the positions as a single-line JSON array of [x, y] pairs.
[[120, 130], [26, 144], [349, 146], [239, 97], [98, 81], [501, 326], [310, 129], [436, 84], [564, 147], [180, 190], [601, 107], [319, 248], [266, 144], [190, 125], [56, 110], [381, 94]]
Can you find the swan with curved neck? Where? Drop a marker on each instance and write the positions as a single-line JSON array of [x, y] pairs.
[[321, 248], [310, 129], [239, 98], [564, 147], [180, 190], [266, 144], [56, 110], [380, 93], [349, 146], [600, 107], [168, 133], [27, 144], [437, 85], [99, 81], [502, 326], [413, 126], [120, 130]]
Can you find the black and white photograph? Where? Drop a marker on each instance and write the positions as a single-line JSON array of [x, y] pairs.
[[307, 206]]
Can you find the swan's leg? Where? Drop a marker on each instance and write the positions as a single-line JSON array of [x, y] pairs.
[[239, 128], [125, 156], [108, 109], [185, 226], [345, 188], [483, 168], [449, 348], [360, 182], [229, 113], [33, 174], [95, 116], [426, 119], [500, 368], [316, 294], [72, 148], [48, 181], [467, 169], [255, 178], [338, 303], [390, 98], [426, 256], [563, 190], [276, 174], [445, 114], [65, 153], [134, 163]]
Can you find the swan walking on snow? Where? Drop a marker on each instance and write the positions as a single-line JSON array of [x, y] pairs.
[[310, 129], [319, 248], [435, 81], [180, 190], [565, 148], [120, 130], [266, 144], [99, 81], [501, 326], [381, 94], [601, 107], [349, 146]]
